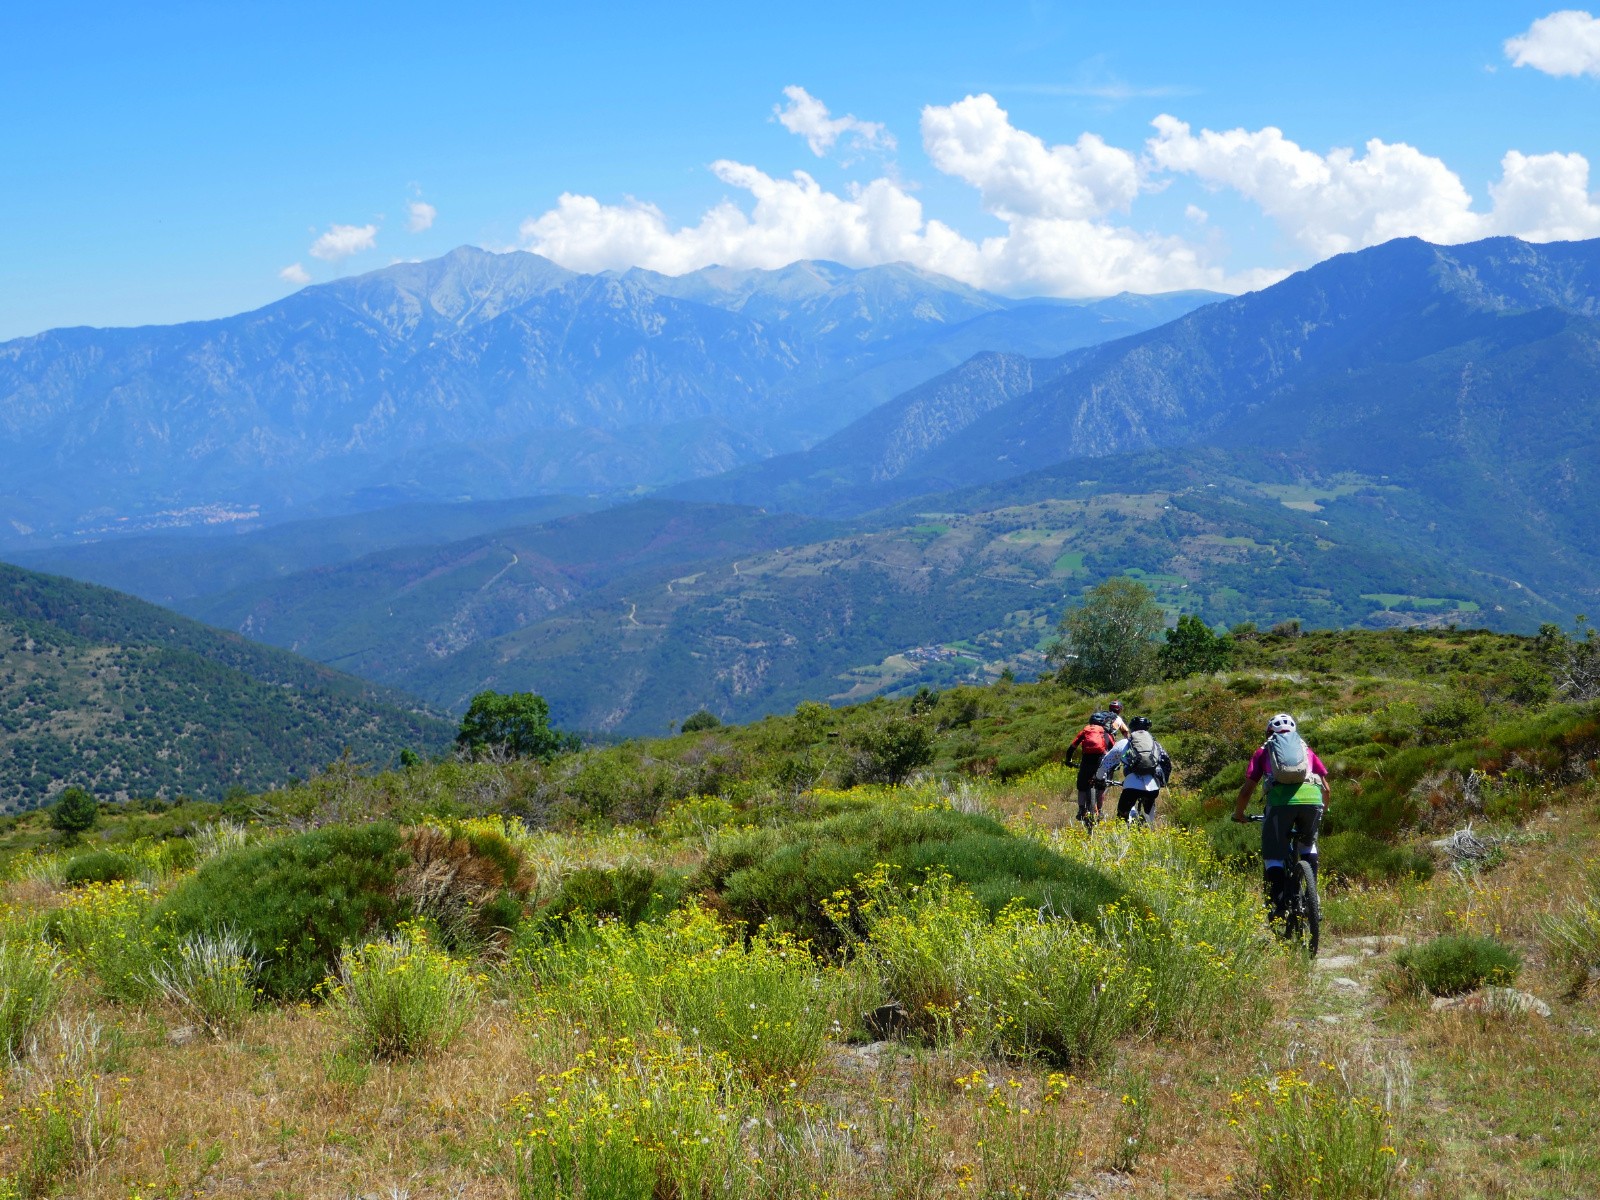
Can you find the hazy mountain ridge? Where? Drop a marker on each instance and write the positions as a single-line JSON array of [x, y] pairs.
[[482, 375], [1205, 376], [1443, 370], [641, 613], [1374, 310], [395, 612], [171, 568], [1403, 435]]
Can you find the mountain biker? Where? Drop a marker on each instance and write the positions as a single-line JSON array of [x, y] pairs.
[[1296, 795], [1119, 727], [1095, 738], [1146, 767]]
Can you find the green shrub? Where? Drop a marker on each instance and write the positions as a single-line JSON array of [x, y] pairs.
[[1457, 963], [783, 880], [30, 984], [106, 928], [629, 894], [702, 719], [1354, 856], [296, 900], [887, 751], [1455, 715], [1018, 984], [1195, 936], [636, 1121], [74, 812], [99, 866], [401, 997], [212, 978], [1239, 846], [765, 1004], [1014, 766], [1314, 1139]]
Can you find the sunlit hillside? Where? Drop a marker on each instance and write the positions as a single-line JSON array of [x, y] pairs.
[[852, 952]]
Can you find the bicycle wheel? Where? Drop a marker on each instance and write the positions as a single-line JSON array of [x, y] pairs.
[[1293, 927], [1311, 907]]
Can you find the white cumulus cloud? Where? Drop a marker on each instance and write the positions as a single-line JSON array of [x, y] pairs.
[[420, 215], [807, 116], [1328, 203], [1061, 208], [1343, 201], [1016, 173], [296, 274], [1564, 43], [341, 241], [1544, 198], [879, 222], [787, 219]]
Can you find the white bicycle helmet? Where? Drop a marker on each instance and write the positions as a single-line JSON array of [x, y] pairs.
[[1282, 723]]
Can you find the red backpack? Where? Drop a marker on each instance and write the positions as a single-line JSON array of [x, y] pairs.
[[1095, 739]]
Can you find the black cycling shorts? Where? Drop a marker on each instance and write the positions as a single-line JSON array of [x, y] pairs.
[[1086, 770], [1301, 820], [1131, 796]]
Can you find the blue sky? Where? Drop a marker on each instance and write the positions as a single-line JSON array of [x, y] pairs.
[[175, 161]]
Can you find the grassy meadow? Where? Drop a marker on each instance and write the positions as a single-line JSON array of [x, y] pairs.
[[845, 952]]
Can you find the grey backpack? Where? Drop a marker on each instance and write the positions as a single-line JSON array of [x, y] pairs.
[[1288, 760], [1141, 758]]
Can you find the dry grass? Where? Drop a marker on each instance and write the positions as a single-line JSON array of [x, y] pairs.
[[279, 1112], [1486, 1105]]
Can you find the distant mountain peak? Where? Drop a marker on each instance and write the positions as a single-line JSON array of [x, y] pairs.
[[479, 374]]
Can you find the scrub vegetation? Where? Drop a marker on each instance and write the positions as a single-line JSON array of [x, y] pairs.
[[736, 963]]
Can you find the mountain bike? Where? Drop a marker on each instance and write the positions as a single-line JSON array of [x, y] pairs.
[[1136, 814], [1301, 919], [1087, 817]]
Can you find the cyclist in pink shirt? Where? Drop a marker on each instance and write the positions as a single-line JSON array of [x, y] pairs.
[[1296, 794]]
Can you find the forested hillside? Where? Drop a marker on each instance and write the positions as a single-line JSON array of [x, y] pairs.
[[109, 693], [626, 618]]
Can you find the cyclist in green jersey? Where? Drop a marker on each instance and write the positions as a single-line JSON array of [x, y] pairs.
[[1296, 794]]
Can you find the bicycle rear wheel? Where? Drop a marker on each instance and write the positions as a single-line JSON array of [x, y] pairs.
[[1311, 908]]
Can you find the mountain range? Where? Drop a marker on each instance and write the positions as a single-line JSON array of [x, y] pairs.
[[482, 376], [1462, 378], [1406, 435]]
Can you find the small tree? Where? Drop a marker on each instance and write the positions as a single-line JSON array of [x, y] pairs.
[[1572, 660], [1109, 640], [704, 719], [1192, 649], [888, 751], [75, 812], [515, 725]]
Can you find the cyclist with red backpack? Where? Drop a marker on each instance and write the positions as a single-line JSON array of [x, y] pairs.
[[1296, 794], [1095, 738]]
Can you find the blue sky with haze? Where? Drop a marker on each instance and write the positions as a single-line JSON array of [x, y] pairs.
[[176, 161]]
